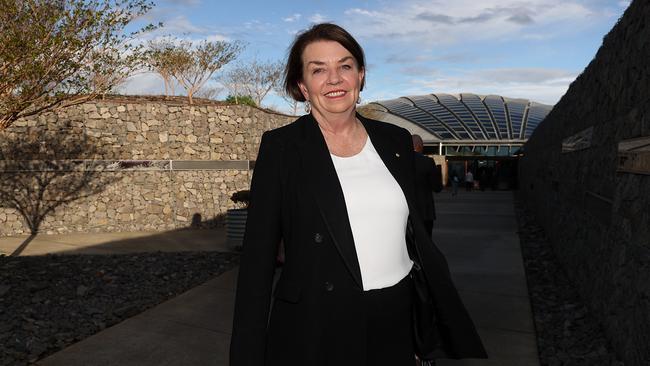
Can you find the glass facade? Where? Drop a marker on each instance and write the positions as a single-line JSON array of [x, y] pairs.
[[470, 124], [496, 107], [480, 112], [516, 109]]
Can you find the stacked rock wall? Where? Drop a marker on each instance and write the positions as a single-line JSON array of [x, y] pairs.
[[160, 165], [577, 176]]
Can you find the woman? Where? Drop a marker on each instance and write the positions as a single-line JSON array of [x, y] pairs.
[[338, 190]]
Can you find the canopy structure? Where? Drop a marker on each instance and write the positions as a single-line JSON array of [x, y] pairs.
[[464, 124]]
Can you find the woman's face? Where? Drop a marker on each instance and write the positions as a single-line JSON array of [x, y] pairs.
[[331, 78]]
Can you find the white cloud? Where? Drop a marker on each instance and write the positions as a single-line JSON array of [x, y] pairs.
[[183, 27], [419, 70], [523, 75], [180, 24], [537, 84], [402, 58], [437, 22], [541, 85], [445, 57], [143, 84], [259, 26], [216, 37], [292, 18], [317, 18], [182, 3]]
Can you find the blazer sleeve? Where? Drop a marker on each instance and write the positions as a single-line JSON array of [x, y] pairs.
[[257, 264]]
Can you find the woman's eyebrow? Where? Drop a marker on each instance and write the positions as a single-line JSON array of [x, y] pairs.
[[344, 59]]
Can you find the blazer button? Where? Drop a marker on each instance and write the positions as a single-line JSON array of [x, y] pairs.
[[329, 286], [318, 238]]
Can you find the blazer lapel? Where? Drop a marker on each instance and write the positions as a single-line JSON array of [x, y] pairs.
[[324, 182]]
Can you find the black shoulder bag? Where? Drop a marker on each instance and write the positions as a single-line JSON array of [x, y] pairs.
[[427, 339]]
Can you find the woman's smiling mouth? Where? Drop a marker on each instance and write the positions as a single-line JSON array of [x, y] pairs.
[[335, 93]]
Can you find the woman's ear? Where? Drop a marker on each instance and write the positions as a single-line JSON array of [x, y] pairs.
[[362, 78], [303, 90]]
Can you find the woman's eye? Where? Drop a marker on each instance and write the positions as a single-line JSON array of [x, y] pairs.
[[317, 71], [347, 67]]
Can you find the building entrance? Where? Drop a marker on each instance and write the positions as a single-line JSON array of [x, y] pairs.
[[488, 173]]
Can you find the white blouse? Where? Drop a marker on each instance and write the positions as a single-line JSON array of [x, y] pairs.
[[378, 212]]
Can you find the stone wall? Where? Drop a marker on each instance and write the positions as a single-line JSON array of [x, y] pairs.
[[596, 211], [161, 163]]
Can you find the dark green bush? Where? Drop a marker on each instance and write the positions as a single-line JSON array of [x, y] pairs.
[[241, 99]]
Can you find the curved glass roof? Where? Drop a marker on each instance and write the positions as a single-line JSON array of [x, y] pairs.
[[469, 116]]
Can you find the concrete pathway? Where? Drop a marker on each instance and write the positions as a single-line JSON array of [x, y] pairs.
[[114, 243], [191, 329], [477, 232]]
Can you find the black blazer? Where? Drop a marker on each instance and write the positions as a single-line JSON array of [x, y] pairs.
[[317, 315], [428, 180]]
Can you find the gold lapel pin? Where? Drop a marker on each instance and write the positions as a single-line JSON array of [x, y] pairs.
[[397, 154]]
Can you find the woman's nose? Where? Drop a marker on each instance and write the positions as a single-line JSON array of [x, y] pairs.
[[333, 76]]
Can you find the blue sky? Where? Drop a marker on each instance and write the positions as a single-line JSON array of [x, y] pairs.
[[529, 49]]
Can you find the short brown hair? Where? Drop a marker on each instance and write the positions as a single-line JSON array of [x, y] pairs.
[[318, 32]]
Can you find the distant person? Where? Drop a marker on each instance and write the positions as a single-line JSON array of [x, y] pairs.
[[469, 181], [454, 184], [427, 180]]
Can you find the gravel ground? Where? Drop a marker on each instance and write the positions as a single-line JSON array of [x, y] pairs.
[[567, 333], [49, 302]]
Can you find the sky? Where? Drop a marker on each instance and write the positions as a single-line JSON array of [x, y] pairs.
[[530, 49]]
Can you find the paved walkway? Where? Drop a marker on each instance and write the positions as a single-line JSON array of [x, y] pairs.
[[477, 232], [112, 243]]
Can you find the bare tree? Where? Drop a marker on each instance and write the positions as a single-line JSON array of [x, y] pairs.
[[48, 51], [194, 64], [209, 93], [161, 56], [254, 78], [120, 67], [232, 82], [289, 99], [279, 90]]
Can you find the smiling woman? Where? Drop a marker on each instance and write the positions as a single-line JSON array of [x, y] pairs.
[[332, 79], [339, 191]]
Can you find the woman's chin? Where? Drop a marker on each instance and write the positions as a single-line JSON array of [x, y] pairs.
[[337, 108]]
